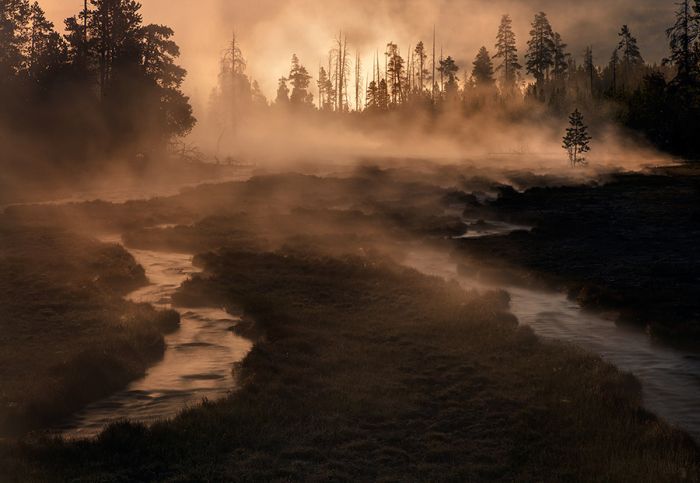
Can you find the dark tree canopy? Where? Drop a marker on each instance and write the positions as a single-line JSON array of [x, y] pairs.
[[629, 48], [110, 86], [507, 54], [300, 79], [483, 69], [540, 48], [683, 39]]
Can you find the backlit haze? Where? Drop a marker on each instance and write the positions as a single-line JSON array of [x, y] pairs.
[[271, 30]]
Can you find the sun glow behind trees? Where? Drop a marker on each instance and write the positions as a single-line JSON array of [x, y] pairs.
[[421, 75]]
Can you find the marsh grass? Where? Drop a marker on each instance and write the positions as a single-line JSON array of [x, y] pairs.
[[366, 371], [67, 337], [629, 246]]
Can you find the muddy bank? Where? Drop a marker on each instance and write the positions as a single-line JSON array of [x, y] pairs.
[[629, 245]]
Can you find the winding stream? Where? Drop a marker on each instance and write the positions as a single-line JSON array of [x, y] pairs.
[[199, 357], [670, 377], [198, 361]]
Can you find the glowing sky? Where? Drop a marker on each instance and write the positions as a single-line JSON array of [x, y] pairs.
[[271, 30]]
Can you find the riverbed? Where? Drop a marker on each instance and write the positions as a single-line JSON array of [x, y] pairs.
[[670, 377], [199, 361]]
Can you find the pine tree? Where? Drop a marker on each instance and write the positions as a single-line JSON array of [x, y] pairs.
[[613, 67], [234, 95], [80, 44], [14, 37], [383, 95], [115, 26], [631, 59], [300, 79], [683, 38], [628, 46], [423, 74], [325, 90], [507, 52], [395, 72], [259, 98], [540, 50], [560, 58], [282, 98], [576, 140], [47, 49], [372, 102], [589, 68], [448, 71], [482, 72]]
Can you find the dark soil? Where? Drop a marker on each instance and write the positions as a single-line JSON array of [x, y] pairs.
[[630, 245]]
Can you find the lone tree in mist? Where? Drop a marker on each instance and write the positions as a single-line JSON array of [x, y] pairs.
[[577, 139], [507, 53]]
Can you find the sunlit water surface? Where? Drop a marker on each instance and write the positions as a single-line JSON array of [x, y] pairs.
[[670, 377], [198, 361]]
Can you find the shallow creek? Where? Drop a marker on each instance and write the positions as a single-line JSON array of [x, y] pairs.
[[670, 377], [199, 358], [198, 361]]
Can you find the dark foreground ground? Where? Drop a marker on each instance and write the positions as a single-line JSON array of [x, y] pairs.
[[367, 371], [629, 245], [362, 370]]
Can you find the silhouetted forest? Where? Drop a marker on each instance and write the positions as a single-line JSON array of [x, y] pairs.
[[108, 85], [661, 101]]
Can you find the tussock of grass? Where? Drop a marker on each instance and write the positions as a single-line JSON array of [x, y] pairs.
[[370, 372]]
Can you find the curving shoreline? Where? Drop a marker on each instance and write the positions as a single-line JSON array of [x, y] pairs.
[[197, 363]]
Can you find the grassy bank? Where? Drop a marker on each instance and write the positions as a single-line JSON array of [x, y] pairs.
[[66, 335], [628, 245], [368, 371]]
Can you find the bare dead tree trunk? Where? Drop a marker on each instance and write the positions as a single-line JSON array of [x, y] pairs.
[[357, 81], [442, 74], [344, 77], [432, 79], [330, 80]]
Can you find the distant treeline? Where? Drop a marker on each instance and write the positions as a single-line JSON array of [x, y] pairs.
[[107, 87], [661, 101]]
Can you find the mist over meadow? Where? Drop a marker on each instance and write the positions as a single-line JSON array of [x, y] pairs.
[[291, 240]]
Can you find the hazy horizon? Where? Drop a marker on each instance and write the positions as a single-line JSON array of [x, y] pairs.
[[272, 30]]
